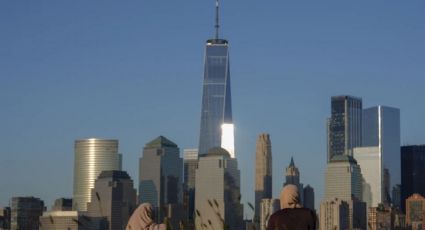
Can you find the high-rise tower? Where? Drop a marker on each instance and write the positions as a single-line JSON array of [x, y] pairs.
[[190, 166], [25, 212], [344, 125], [379, 158], [412, 171], [292, 175], [217, 199], [161, 176], [92, 156], [263, 170], [216, 113], [113, 197]]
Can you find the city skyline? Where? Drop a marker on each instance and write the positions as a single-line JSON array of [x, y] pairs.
[[106, 76]]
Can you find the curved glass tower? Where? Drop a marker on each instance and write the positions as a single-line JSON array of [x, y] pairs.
[[92, 156], [216, 113]]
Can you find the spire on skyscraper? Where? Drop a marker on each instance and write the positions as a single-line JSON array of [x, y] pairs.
[[292, 164], [217, 21]]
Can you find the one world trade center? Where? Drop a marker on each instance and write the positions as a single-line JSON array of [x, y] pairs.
[[216, 114]]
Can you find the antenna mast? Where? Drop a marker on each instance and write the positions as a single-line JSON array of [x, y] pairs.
[[217, 25]]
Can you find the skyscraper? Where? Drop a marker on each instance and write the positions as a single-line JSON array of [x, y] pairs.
[[292, 175], [343, 179], [263, 170], [381, 129], [161, 176], [370, 162], [412, 171], [190, 166], [25, 213], [92, 156], [344, 125], [217, 200], [216, 113], [5, 218], [308, 197], [113, 197]]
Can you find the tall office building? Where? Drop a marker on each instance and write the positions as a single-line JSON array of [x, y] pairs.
[[396, 195], [263, 170], [190, 165], [412, 171], [161, 176], [381, 129], [370, 162], [343, 179], [217, 201], [344, 125], [308, 195], [25, 213], [113, 197], [216, 113], [292, 175], [344, 182], [5, 218], [92, 156]]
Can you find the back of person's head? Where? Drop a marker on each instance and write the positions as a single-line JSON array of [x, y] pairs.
[[289, 197], [142, 219]]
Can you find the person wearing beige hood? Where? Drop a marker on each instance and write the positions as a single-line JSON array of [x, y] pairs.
[[292, 215], [142, 219]]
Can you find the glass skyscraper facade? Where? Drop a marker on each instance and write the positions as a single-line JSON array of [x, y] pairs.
[[412, 171], [381, 129], [216, 98], [344, 125]]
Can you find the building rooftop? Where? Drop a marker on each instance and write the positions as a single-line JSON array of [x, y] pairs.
[[344, 97], [217, 41], [343, 158], [116, 174], [161, 142], [218, 151]]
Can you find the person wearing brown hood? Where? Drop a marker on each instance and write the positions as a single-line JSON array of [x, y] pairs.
[[142, 219], [292, 216]]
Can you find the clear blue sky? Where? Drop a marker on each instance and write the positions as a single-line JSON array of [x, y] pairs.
[[132, 70]]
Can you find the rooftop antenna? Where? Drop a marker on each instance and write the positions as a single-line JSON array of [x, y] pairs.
[[217, 25]]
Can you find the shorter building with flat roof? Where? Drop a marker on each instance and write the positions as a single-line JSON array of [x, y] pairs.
[[415, 211], [25, 212]]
